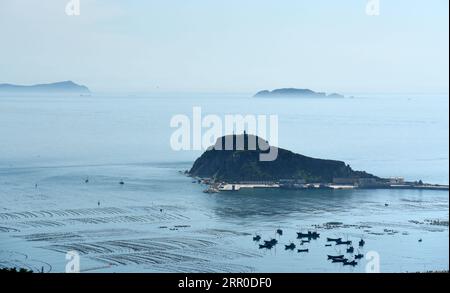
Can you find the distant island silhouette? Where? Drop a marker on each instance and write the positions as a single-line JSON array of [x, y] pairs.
[[56, 87], [293, 92]]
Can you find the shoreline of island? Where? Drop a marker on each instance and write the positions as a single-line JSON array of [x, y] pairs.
[[238, 166], [396, 183]]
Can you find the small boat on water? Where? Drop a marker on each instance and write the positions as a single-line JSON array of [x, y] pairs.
[[309, 235], [350, 249], [336, 256], [342, 260], [314, 235], [350, 263], [279, 232], [266, 246], [348, 242], [327, 245], [305, 241], [290, 246], [257, 238], [361, 243], [271, 242], [302, 250], [334, 239], [359, 256]]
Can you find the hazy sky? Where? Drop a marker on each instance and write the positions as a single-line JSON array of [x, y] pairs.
[[228, 45]]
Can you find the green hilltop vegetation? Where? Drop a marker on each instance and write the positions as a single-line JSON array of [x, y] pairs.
[[236, 165]]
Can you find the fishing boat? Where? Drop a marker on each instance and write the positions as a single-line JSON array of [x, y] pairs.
[[359, 256], [348, 242], [290, 246], [350, 263], [309, 235], [314, 235], [267, 246], [271, 242], [302, 235], [334, 239], [335, 256], [257, 238], [343, 260]]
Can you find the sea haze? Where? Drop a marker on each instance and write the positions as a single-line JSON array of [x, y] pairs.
[[160, 221]]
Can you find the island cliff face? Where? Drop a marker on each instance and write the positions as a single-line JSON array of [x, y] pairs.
[[292, 92], [57, 87], [238, 165]]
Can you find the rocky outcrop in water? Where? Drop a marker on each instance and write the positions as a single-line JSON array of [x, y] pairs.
[[244, 164]]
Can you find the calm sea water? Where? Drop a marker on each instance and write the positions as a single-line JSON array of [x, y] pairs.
[[159, 220]]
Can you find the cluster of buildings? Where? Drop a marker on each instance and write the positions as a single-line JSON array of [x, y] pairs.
[[338, 183]]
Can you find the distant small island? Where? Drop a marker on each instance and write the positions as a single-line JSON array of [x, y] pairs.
[[57, 87], [293, 92]]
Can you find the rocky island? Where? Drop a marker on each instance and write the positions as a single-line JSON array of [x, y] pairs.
[[57, 87], [239, 166], [293, 92], [244, 165]]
